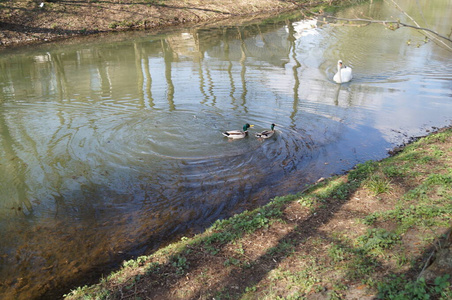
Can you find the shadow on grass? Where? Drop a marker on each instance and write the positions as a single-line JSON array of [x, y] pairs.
[[161, 278], [305, 229], [236, 279]]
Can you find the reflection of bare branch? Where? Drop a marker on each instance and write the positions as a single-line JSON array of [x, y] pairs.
[[393, 24], [423, 29], [385, 22]]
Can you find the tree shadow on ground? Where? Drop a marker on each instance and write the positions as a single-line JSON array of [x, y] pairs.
[[239, 280], [28, 29], [234, 279]]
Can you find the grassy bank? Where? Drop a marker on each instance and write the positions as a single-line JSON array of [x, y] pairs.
[[382, 230], [30, 21]]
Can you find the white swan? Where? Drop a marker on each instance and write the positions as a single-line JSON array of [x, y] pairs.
[[344, 73]]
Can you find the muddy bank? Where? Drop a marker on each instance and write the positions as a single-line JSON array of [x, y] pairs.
[[31, 22]]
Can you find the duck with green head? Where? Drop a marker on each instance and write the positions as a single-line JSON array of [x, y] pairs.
[[238, 134], [266, 133]]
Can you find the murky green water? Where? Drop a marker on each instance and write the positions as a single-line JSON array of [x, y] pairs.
[[111, 146]]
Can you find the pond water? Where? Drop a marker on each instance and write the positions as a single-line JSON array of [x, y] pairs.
[[112, 146]]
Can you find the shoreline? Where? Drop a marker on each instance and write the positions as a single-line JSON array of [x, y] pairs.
[[351, 236], [27, 23]]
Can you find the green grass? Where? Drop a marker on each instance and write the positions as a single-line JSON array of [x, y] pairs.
[[399, 288], [378, 185], [377, 239]]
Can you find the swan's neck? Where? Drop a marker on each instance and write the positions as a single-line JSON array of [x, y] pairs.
[[339, 72]]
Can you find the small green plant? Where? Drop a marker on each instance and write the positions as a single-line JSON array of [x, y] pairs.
[[437, 152], [283, 248], [378, 185], [370, 219], [305, 279], [361, 266], [335, 295], [439, 179], [307, 201], [113, 25], [362, 171], [231, 262], [141, 260], [424, 212], [409, 155], [401, 259], [240, 249], [153, 268], [211, 249], [250, 289], [252, 221], [400, 288], [180, 263], [130, 264], [418, 193], [394, 171], [341, 192], [336, 253], [425, 160], [378, 239]]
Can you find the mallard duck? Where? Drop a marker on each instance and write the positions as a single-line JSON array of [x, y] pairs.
[[238, 134], [344, 73], [266, 133]]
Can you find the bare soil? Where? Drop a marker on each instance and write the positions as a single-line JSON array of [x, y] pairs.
[[30, 21]]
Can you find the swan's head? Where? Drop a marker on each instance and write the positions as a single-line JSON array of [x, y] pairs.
[[339, 62]]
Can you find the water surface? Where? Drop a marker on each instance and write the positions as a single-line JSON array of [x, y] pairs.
[[113, 146]]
